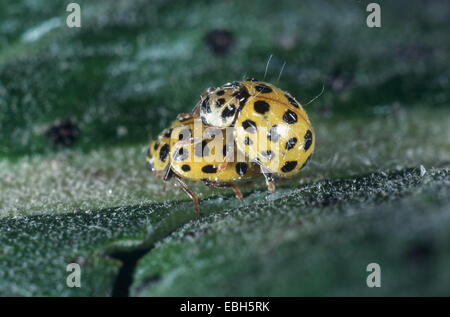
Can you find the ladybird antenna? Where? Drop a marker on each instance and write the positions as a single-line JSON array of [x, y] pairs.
[[281, 71], [267, 65], [320, 94]]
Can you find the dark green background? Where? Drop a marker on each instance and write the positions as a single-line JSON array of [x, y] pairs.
[[377, 189]]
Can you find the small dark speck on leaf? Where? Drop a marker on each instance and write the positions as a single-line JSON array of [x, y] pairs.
[[64, 133], [219, 41]]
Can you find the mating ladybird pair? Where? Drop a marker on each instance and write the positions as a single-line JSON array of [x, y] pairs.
[[235, 132]]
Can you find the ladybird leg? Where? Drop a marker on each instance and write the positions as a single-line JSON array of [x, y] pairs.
[[187, 142], [237, 191], [190, 193], [225, 162], [159, 175], [196, 110], [269, 180], [229, 155], [185, 116], [166, 176]]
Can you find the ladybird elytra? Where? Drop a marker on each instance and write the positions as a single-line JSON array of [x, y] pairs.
[[271, 126], [199, 158]]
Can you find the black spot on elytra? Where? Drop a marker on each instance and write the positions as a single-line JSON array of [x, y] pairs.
[[156, 146], [273, 135], [149, 155], [308, 140], [263, 88], [181, 155], [248, 141], [186, 168], [220, 93], [64, 133], [165, 149], [249, 126], [224, 151], [290, 117], [185, 134], [229, 111], [242, 95], [289, 166], [219, 42], [210, 169], [261, 106], [168, 133], [205, 108], [291, 143], [306, 162], [204, 120], [241, 168], [268, 154], [201, 149], [292, 101], [220, 102]]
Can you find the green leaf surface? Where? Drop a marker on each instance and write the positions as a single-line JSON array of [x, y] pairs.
[[314, 240]]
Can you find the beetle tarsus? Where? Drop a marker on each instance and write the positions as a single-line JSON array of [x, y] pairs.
[[191, 194]]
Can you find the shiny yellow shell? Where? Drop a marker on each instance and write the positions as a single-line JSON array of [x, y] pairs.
[[271, 127], [270, 92], [158, 153], [275, 136], [198, 151]]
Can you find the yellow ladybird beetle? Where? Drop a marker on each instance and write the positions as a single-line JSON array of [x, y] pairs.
[[190, 151], [270, 126]]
